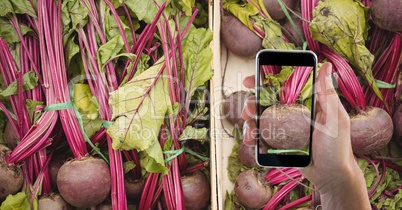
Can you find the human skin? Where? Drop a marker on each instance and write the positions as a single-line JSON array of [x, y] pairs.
[[333, 171]]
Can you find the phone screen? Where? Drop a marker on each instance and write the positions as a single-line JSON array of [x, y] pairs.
[[285, 107]]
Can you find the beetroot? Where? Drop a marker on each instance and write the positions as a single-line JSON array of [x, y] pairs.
[[386, 14], [196, 190], [84, 182], [232, 107], [286, 126], [58, 159], [370, 131], [397, 120], [11, 177], [53, 201], [290, 32], [133, 187], [11, 136], [252, 190], [247, 155], [274, 9], [239, 39]]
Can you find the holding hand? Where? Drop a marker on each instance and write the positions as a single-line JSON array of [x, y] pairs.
[[334, 170]]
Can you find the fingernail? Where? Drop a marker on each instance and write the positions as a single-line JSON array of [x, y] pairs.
[[328, 70], [245, 129]]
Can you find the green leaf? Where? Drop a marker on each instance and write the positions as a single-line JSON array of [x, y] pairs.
[[130, 56], [85, 102], [109, 49], [201, 108], [343, 26], [382, 84], [71, 49], [197, 56], [187, 6], [112, 29], [149, 162], [232, 202], [202, 17], [190, 132], [23, 7], [277, 79], [31, 107], [16, 202], [234, 165], [268, 96], [139, 109], [8, 32], [16, 7], [145, 10], [390, 203], [91, 126], [243, 12], [273, 38], [128, 166], [6, 7], [29, 81], [74, 14], [88, 108]]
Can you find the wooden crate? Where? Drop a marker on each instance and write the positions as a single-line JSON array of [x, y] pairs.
[[237, 69]]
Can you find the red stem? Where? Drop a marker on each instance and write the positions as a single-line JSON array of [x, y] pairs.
[[296, 202], [386, 69], [276, 199], [307, 7], [292, 87], [348, 83]]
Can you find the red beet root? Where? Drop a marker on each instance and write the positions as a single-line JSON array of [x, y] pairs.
[[238, 38], [252, 190], [84, 182], [54, 166], [371, 130], [386, 14], [196, 190], [53, 201], [10, 136], [133, 187], [274, 9], [11, 177], [397, 120], [290, 32], [247, 155], [286, 126]]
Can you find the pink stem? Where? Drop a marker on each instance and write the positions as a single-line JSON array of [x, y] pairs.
[[296, 202]]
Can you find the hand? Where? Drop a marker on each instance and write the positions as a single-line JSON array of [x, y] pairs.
[[333, 164]]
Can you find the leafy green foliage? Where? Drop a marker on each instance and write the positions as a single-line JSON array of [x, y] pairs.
[[197, 56], [88, 108], [343, 26], [145, 10], [16, 7], [18, 201], [139, 109], [29, 81], [8, 32]]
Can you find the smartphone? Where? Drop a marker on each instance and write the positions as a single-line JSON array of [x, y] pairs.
[[285, 101]]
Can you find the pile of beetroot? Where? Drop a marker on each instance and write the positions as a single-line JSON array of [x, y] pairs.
[[362, 39], [104, 104]]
